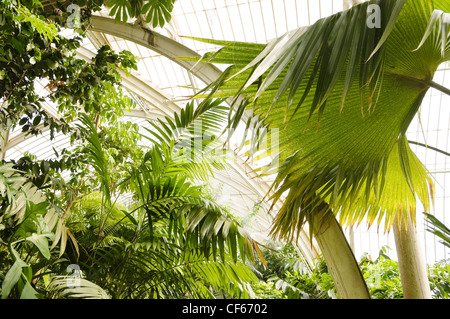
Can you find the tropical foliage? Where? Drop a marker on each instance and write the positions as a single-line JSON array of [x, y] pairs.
[[439, 273], [35, 56], [439, 277], [119, 214], [169, 242], [381, 274], [342, 94], [438, 228]]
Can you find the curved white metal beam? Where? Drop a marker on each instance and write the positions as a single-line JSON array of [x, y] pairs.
[[158, 43]]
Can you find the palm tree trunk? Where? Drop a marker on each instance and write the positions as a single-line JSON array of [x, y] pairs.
[[411, 261], [341, 262]]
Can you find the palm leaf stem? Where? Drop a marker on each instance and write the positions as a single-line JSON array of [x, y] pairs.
[[103, 220], [427, 83], [430, 147], [438, 87]]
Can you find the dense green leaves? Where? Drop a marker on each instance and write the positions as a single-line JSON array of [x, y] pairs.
[[35, 55], [167, 242], [439, 277], [130, 217], [381, 274], [26, 222]]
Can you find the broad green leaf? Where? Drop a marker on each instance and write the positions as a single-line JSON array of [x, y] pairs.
[[28, 292], [12, 277], [41, 242]]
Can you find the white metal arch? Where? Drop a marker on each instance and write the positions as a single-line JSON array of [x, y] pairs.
[[158, 43]]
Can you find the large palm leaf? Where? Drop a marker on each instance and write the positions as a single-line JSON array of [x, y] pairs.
[[343, 95]]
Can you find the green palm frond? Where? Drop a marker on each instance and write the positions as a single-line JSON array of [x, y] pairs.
[[439, 229], [96, 153], [67, 287], [362, 87], [189, 274], [189, 142], [165, 270], [191, 218]]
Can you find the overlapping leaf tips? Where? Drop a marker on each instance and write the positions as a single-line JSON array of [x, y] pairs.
[[439, 30], [320, 53]]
